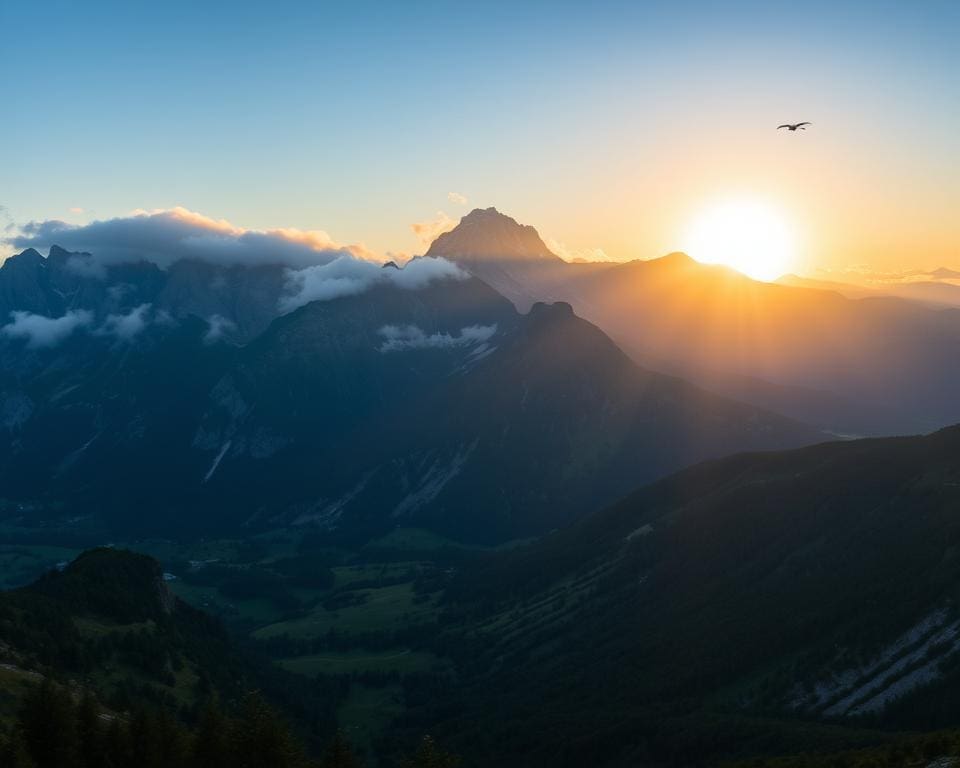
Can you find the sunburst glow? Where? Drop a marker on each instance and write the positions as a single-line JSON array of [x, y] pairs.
[[751, 236]]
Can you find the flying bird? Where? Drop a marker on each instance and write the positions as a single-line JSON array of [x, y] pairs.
[[794, 126]]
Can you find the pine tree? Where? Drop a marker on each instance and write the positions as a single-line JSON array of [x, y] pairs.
[[89, 732], [261, 739], [144, 740], [429, 755], [339, 754], [14, 752], [211, 743], [172, 742], [116, 745], [49, 726]]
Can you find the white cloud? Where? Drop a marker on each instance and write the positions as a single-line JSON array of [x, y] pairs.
[[126, 327], [457, 198], [574, 254], [866, 275], [219, 325], [166, 236], [348, 276], [41, 331], [428, 231], [400, 338]]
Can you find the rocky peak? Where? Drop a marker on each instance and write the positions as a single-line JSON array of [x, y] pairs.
[[485, 234]]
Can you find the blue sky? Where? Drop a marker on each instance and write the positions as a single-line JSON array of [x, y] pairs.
[[604, 124]]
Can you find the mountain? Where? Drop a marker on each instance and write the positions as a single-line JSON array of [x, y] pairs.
[[870, 366], [764, 603], [109, 617], [487, 234], [931, 292], [441, 407], [103, 665], [510, 257], [242, 300], [849, 290]]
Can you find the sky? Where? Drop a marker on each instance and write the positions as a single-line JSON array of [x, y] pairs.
[[608, 126]]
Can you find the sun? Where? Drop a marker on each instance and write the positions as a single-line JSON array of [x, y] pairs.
[[751, 236]]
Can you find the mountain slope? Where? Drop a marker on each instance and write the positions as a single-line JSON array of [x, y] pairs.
[[440, 407], [480, 423], [714, 611]]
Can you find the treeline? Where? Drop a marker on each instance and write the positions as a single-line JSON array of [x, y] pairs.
[[57, 727], [935, 749]]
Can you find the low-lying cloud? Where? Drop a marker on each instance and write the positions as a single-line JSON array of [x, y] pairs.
[[400, 338], [348, 276], [40, 331], [866, 275], [126, 327], [576, 255], [217, 327], [167, 236]]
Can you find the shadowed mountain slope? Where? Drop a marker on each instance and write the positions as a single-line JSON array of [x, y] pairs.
[[440, 407], [715, 611]]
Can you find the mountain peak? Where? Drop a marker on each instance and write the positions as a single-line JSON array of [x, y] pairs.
[[554, 310], [29, 256], [676, 259], [485, 234], [56, 252], [480, 213]]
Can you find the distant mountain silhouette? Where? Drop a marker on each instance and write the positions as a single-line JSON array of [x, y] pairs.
[[930, 292], [246, 296], [871, 366]]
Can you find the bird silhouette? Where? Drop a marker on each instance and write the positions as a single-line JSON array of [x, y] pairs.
[[793, 126]]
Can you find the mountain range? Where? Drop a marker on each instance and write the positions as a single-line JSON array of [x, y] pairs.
[[872, 365], [440, 406], [697, 570], [241, 299]]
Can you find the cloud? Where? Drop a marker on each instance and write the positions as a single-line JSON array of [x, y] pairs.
[[166, 236], [428, 231], [347, 276], [40, 331], [576, 255], [125, 327], [456, 197], [864, 274], [76, 209], [219, 325], [401, 338]]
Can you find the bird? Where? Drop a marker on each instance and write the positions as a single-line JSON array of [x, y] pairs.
[[794, 126]]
